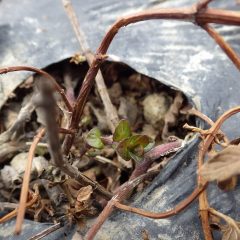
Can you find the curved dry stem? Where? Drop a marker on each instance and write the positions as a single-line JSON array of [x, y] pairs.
[[208, 120], [224, 45], [45, 74], [181, 206], [203, 203], [25, 184], [214, 129]]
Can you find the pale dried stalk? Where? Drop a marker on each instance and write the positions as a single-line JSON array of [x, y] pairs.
[[49, 106], [111, 113], [25, 184]]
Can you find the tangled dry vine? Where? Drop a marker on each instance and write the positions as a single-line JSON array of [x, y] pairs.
[[199, 14]]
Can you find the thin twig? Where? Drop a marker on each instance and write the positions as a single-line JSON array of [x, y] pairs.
[[45, 74], [25, 184], [106, 160], [215, 128]]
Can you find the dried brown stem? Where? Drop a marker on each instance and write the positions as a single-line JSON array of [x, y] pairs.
[[203, 4], [215, 128], [123, 193], [194, 14], [181, 206], [49, 106], [112, 116], [45, 74], [202, 116], [205, 118], [203, 202], [136, 177], [66, 131], [224, 45], [25, 184]]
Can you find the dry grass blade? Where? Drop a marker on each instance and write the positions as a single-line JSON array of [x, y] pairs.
[[223, 165], [25, 185]]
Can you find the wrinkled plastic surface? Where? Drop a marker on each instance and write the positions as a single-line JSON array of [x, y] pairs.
[[178, 54]]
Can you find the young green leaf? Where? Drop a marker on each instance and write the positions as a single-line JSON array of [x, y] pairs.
[[133, 147], [135, 157], [122, 131], [123, 150], [94, 138]]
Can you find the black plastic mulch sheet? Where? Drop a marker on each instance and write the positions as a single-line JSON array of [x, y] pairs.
[[178, 54]]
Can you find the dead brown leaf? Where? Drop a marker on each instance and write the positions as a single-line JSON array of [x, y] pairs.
[[84, 194], [223, 165], [83, 204]]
